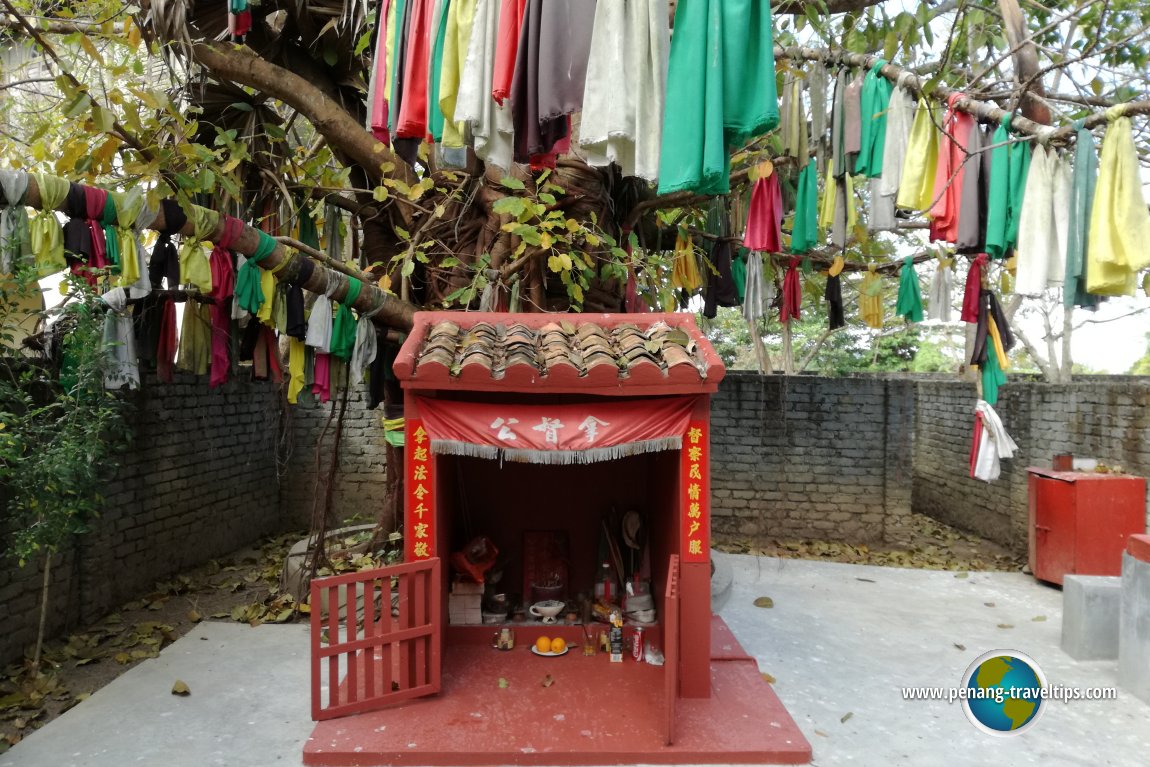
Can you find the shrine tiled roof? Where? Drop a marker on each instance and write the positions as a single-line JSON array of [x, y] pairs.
[[569, 352]]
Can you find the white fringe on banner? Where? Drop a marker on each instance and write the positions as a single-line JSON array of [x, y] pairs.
[[555, 457]]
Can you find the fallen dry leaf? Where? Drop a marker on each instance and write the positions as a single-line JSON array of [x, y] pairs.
[[961, 576], [548, 680], [821, 734], [764, 602], [180, 688], [770, 679], [503, 683], [959, 646], [989, 604], [847, 716], [1039, 619], [1006, 625]]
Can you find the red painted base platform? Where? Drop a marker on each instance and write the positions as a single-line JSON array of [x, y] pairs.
[[594, 713]]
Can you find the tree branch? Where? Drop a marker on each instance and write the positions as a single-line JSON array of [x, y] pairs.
[[392, 312]]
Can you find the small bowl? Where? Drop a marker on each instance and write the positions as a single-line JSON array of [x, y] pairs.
[[547, 609]]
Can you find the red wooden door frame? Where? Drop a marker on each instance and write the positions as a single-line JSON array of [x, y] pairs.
[[671, 642], [387, 658]]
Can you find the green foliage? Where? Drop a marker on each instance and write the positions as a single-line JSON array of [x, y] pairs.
[[59, 434], [1142, 366]]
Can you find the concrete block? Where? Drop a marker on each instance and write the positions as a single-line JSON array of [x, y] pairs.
[[1090, 614], [1134, 628]]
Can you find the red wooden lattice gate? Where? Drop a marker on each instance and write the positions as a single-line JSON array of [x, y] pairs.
[[379, 640], [671, 640]]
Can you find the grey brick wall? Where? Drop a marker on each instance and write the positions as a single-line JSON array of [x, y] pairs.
[[198, 482], [361, 482], [805, 457], [1104, 418]]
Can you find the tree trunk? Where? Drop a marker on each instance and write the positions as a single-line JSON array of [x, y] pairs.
[[41, 629]]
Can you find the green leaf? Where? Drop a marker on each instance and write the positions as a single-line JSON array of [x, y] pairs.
[[243, 106], [511, 183], [510, 205], [380, 193], [408, 268]]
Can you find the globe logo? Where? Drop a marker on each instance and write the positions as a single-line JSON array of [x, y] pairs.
[[1003, 692]]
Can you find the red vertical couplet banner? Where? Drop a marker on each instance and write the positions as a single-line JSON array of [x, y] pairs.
[[419, 535], [695, 482]]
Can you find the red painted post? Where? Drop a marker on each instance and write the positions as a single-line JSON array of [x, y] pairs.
[[671, 641]]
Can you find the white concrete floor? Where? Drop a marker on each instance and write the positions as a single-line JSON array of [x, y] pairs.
[[840, 639]]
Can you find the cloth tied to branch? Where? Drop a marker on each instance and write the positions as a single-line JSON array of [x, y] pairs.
[[47, 237], [792, 293], [876, 95], [343, 329], [940, 288], [195, 268], [805, 229], [1119, 244], [15, 234], [165, 263], [133, 267], [951, 171], [1044, 224], [119, 342], [916, 188], [1085, 175], [909, 294], [248, 291], [765, 216], [870, 299]]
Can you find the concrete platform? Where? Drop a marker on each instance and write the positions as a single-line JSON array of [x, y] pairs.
[[594, 713], [840, 639]]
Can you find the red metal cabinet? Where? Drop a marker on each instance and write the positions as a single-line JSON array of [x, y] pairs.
[[1079, 522]]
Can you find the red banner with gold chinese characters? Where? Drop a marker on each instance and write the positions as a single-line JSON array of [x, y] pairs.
[[695, 500], [562, 433], [419, 481]]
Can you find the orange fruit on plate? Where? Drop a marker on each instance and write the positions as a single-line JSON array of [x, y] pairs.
[[543, 644], [558, 644]]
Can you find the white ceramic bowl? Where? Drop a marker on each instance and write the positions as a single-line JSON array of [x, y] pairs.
[[547, 610]]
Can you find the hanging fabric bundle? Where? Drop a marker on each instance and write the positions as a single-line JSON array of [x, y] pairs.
[[344, 328], [119, 343], [852, 122], [77, 234], [296, 319], [817, 88], [95, 200], [792, 293], [870, 299], [321, 386], [223, 289], [319, 323], [916, 189], [1009, 168], [46, 236], [991, 444], [685, 270], [1119, 243], [511, 13], [366, 342], [457, 38], [765, 216], [909, 295], [195, 268], [834, 295], [973, 292], [411, 121], [758, 292], [805, 230], [876, 94], [265, 355], [721, 290], [1043, 226], [1085, 175], [165, 263], [951, 171], [435, 70], [972, 197], [490, 123], [108, 217], [720, 91], [248, 291], [15, 234], [940, 289], [793, 123], [166, 344], [550, 73], [195, 351], [297, 352], [899, 119], [239, 20], [379, 83], [622, 120], [993, 340], [133, 267], [837, 211]]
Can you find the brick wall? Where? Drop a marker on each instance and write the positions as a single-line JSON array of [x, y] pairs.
[[1105, 418], [360, 485], [804, 457], [198, 482]]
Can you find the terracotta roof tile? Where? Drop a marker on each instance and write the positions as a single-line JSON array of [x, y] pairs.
[[562, 351]]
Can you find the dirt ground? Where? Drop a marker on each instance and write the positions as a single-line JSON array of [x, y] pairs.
[[932, 545], [244, 587]]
